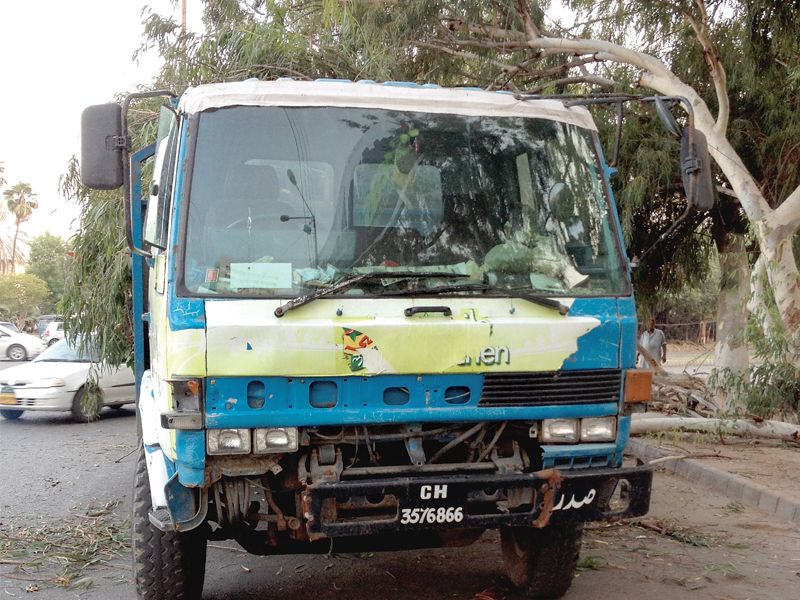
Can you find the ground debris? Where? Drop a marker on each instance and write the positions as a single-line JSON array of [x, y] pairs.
[[684, 535], [681, 394], [60, 553]]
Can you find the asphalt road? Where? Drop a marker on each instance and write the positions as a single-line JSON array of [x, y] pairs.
[[74, 479]]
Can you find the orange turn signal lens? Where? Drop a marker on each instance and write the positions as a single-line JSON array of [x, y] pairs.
[[638, 385]]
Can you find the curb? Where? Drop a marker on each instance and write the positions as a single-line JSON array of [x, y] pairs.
[[728, 484]]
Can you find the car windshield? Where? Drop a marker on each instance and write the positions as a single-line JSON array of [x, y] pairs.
[[64, 352], [287, 200]]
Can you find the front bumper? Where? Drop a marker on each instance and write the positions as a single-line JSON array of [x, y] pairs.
[[347, 508], [46, 399]]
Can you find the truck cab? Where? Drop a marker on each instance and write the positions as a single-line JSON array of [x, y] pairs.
[[377, 316]]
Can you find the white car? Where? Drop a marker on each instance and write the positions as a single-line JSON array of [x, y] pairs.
[[19, 346], [56, 381], [54, 333]]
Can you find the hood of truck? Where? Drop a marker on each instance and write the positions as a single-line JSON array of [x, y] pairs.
[[365, 337]]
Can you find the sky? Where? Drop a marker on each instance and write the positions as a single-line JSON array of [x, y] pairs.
[[56, 58]]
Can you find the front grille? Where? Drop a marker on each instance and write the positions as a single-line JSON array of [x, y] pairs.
[[559, 387]]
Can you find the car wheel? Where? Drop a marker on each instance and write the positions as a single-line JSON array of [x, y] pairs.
[[17, 352], [541, 562], [86, 407], [53, 341], [11, 415], [167, 565]]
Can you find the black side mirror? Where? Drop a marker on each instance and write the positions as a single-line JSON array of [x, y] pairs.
[[696, 171], [101, 156]]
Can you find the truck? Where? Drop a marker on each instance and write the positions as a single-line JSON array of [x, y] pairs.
[[373, 316]]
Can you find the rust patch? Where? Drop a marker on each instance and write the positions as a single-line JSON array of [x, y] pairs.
[[550, 488]]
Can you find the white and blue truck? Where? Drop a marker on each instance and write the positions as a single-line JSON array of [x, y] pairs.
[[373, 317]]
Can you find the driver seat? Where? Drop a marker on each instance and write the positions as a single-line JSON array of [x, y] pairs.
[[249, 191]]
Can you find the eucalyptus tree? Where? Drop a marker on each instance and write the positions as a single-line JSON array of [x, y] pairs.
[[673, 47], [21, 202], [48, 259]]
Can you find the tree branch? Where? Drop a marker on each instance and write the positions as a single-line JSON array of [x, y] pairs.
[[718, 75], [500, 65]]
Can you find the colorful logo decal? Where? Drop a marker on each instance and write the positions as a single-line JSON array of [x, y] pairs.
[[355, 343]]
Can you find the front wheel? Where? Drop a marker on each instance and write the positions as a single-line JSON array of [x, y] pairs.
[[86, 407], [17, 352], [11, 415], [541, 562], [166, 565], [53, 341]]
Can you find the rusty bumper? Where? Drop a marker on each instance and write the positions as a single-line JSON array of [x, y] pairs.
[[346, 508]]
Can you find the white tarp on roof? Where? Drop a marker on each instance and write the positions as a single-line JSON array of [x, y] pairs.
[[370, 95]]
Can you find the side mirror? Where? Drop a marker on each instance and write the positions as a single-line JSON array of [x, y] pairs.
[[101, 156], [696, 171]]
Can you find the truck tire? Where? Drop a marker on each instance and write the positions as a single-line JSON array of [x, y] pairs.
[[541, 562], [166, 565]]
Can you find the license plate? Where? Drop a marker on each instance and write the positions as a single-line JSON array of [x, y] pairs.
[[440, 514], [8, 398]]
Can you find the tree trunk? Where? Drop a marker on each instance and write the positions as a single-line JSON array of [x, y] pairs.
[[757, 304], [730, 351], [14, 250]]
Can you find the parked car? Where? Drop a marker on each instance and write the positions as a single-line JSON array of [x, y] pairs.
[[44, 321], [19, 346], [54, 332], [9, 325], [56, 381]]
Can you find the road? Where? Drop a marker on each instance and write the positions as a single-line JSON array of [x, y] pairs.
[[69, 483]]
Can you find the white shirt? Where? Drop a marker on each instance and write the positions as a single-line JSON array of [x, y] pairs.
[[652, 342]]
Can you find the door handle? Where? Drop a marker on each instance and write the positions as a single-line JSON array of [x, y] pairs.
[[410, 312]]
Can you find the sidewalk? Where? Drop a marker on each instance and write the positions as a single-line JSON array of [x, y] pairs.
[[763, 475]]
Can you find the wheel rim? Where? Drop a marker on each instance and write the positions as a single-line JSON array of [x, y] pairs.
[[16, 353], [90, 405]]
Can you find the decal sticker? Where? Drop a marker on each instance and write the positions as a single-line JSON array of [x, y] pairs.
[[355, 344], [211, 275], [575, 503], [491, 355]]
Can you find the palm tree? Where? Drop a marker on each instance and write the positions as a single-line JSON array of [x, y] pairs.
[[21, 202]]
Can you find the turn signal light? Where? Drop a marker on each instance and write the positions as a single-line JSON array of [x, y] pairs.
[[638, 385]]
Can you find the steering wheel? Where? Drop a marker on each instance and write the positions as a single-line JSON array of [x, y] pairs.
[[257, 219]]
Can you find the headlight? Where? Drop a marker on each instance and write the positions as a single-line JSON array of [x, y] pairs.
[[599, 429], [560, 431], [276, 439], [228, 441], [47, 383]]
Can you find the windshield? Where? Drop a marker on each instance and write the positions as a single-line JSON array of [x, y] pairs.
[[64, 352], [287, 200]]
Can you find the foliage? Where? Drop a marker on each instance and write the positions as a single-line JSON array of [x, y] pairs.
[[20, 293], [21, 202], [48, 260], [470, 42], [771, 388], [101, 304]]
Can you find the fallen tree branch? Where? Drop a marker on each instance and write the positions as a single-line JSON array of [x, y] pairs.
[[663, 459], [774, 430]]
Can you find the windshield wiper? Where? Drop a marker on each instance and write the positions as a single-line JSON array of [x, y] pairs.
[[467, 287], [305, 299]]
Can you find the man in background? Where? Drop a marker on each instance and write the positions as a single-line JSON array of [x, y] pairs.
[[655, 342]]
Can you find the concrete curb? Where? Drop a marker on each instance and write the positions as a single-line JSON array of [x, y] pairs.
[[728, 484]]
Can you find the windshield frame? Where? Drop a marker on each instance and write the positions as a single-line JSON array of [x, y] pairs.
[[191, 125]]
